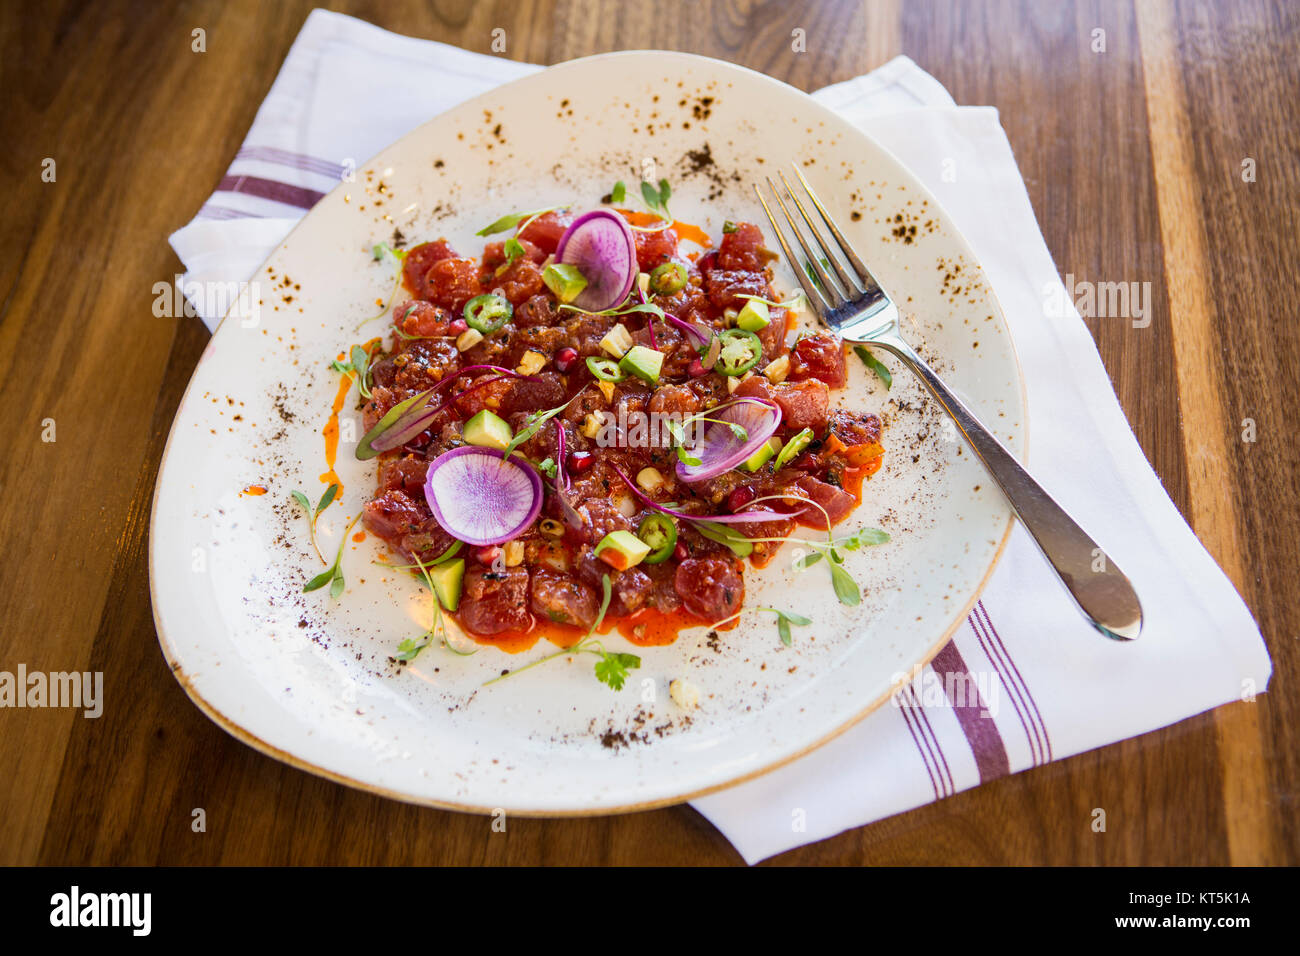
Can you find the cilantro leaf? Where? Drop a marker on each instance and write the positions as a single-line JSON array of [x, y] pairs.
[[612, 669]]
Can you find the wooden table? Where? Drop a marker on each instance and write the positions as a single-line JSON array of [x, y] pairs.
[[1134, 162]]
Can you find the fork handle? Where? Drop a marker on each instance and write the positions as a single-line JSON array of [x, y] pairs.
[[1101, 590]]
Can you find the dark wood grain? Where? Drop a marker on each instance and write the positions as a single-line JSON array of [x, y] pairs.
[[1132, 158]]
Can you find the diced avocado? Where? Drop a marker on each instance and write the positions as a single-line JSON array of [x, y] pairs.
[[622, 550], [488, 431], [794, 448], [643, 362], [447, 578], [760, 457], [753, 316], [564, 280]]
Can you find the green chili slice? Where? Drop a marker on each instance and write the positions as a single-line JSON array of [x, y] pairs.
[[658, 531], [668, 278], [607, 370], [740, 352], [487, 313]]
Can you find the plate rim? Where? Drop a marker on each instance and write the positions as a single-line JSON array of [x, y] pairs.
[[245, 736]]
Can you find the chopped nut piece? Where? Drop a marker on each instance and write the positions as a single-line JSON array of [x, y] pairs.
[[777, 369], [684, 694], [617, 341], [650, 480], [591, 425], [531, 363]]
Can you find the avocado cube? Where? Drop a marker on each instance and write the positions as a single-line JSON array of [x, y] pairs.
[[622, 550], [488, 431], [642, 362], [564, 280], [753, 316], [447, 579]]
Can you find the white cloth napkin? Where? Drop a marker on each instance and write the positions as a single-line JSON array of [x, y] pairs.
[[1048, 685]]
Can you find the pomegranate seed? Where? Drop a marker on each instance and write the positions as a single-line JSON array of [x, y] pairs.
[[680, 552], [486, 556], [580, 461], [564, 358], [697, 369], [456, 327], [740, 497]]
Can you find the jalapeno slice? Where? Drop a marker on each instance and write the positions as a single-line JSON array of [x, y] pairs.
[[487, 313], [668, 278], [658, 531], [740, 352], [607, 370]]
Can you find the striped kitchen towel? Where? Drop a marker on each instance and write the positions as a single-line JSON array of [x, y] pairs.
[[1025, 680]]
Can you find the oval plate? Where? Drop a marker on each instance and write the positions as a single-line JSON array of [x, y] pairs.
[[310, 680]]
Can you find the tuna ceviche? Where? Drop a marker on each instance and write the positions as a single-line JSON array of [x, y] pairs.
[[597, 422]]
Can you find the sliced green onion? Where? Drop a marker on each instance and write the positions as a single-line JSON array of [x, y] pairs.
[[487, 313], [606, 370], [668, 278], [741, 351]]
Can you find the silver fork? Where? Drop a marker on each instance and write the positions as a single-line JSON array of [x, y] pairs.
[[862, 313]]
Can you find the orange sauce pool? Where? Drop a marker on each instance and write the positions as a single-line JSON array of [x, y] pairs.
[[254, 490], [331, 429], [645, 628], [684, 230], [331, 433]]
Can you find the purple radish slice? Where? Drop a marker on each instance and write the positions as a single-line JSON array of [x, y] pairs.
[[700, 336], [720, 449], [480, 497], [601, 246]]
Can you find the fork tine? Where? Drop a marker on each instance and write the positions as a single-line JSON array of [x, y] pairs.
[[859, 266], [845, 279], [829, 288], [809, 287]]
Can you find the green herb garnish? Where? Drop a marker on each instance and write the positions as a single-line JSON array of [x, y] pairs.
[[314, 513], [514, 250], [611, 668], [514, 219], [358, 367], [873, 363], [333, 575], [783, 621], [380, 251], [741, 546]]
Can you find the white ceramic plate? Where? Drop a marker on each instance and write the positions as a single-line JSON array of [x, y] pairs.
[[308, 679]]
